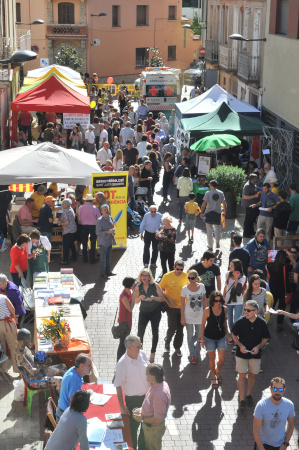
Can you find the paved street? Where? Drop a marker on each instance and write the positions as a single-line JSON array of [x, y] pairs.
[[199, 417]]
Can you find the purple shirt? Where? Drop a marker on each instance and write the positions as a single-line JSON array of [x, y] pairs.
[[157, 401], [13, 294], [88, 214]]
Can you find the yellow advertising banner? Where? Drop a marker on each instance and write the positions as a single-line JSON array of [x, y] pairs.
[[115, 188]]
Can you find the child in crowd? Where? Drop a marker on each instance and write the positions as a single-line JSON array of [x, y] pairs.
[[108, 166], [118, 159], [115, 145], [192, 210], [141, 205]]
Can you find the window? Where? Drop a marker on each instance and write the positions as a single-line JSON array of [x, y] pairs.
[[224, 81], [172, 13], [142, 15], [66, 13], [141, 57], [171, 52], [18, 12], [283, 15], [115, 15]]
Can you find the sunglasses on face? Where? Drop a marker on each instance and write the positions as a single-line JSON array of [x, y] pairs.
[[217, 301], [248, 310], [191, 278], [181, 270], [275, 389]]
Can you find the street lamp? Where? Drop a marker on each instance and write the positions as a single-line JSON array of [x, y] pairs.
[[91, 42], [186, 26], [239, 37], [35, 22], [20, 56]]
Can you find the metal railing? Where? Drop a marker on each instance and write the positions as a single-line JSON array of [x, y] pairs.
[[212, 51], [249, 67], [23, 39], [227, 57]]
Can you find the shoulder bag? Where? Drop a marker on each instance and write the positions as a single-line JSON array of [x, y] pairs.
[[121, 330]]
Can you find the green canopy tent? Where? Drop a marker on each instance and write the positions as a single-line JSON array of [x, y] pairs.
[[223, 120]]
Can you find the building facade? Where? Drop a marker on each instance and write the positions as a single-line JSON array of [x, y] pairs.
[[114, 44], [239, 62], [11, 40], [281, 66]]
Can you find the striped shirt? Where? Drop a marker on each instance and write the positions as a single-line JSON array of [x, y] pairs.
[[261, 300], [4, 311]]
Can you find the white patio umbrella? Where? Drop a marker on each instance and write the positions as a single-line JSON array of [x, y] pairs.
[[46, 162]]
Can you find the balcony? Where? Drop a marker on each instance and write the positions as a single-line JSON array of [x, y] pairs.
[[6, 46], [23, 39], [212, 51], [71, 31], [249, 67], [227, 57]]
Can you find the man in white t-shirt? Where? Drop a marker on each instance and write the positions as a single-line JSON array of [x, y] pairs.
[[104, 153], [141, 147], [103, 135], [126, 133]]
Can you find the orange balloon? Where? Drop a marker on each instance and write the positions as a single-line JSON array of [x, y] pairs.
[[109, 80]]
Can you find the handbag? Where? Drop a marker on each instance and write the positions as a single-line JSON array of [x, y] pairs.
[[288, 298], [122, 330]]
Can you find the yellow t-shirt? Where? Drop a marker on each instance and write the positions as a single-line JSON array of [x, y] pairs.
[[39, 200], [192, 208], [172, 285], [54, 188], [275, 190], [86, 191]]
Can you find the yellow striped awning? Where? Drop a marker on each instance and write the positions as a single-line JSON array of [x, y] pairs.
[[26, 187]]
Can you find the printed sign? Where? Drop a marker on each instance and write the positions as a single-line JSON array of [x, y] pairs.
[[115, 188], [70, 120], [44, 62]]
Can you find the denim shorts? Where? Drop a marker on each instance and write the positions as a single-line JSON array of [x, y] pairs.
[[212, 345]]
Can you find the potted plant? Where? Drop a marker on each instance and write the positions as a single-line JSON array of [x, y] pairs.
[[57, 329], [231, 181]]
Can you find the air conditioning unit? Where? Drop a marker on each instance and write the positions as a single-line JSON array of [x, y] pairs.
[[96, 42]]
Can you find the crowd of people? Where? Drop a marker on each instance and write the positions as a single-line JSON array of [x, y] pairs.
[[215, 315]]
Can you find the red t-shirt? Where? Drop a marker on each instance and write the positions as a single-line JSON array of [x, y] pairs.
[[148, 123], [124, 314], [26, 118], [18, 257]]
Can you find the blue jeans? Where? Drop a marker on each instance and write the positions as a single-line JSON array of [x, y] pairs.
[[192, 338], [233, 314], [59, 413], [15, 278], [183, 200], [89, 148], [105, 257]]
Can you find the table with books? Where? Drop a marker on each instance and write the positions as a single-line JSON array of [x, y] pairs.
[[54, 292]]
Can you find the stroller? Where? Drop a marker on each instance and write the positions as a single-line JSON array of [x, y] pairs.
[[133, 216]]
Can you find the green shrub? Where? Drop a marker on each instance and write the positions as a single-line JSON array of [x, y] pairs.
[[229, 179]]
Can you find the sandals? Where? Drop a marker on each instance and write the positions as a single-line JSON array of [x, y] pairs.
[[215, 384], [152, 358]]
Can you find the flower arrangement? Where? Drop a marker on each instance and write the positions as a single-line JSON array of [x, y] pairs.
[[56, 328]]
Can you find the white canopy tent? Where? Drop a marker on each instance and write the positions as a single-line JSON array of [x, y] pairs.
[[66, 71], [210, 101], [46, 162]]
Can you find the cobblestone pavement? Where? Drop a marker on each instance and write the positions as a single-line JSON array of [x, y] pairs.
[[199, 417]]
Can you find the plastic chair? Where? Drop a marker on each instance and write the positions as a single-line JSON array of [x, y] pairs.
[[51, 412], [29, 393], [2, 373]]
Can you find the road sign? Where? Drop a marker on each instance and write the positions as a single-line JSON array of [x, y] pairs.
[[202, 51]]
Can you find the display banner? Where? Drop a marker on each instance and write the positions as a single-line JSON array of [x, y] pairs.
[[115, 188], [70, 120]]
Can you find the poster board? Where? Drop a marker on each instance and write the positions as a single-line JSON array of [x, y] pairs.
[[70, 120], [204, 163], [115, 188]]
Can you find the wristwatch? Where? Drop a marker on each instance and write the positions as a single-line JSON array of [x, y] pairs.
[[286, 444]]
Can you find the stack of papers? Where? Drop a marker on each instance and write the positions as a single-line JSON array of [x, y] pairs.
[[96, 431], [98, 399]]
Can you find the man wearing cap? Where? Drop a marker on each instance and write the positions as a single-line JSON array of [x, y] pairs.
[[171, 148], [142, 110], [126, 134], [249, 197], [104, 153], [87, 217], [39, 200], [45, 218], [89, 140]]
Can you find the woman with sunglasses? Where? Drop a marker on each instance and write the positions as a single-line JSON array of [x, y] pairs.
[[193, 302], [149, 295], [234, 283], [214, 334]]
